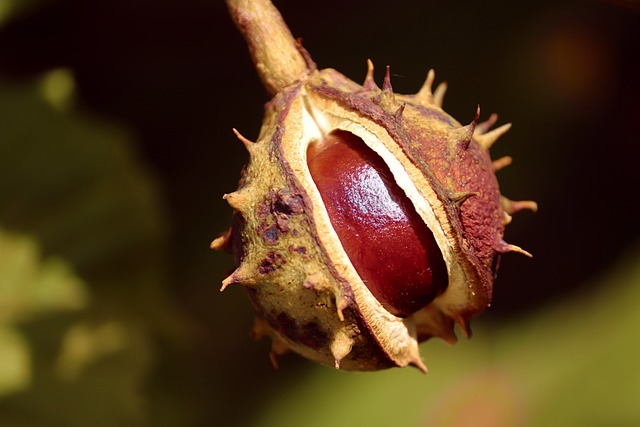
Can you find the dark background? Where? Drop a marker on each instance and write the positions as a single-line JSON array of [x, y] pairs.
[[178, 76]]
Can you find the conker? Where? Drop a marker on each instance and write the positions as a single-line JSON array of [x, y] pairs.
[[391, 248]]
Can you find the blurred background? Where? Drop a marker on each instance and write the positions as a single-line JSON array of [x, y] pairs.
[[116, 148]]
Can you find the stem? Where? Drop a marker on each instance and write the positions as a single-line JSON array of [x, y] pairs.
[[276, 54]]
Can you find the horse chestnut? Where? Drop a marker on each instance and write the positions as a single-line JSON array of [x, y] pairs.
[[365, 221], [389, 245]]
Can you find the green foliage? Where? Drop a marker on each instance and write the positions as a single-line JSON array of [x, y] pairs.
[[9, 8], [81, 244], [31, 287]]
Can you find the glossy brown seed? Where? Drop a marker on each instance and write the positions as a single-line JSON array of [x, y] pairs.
[[391, 248]]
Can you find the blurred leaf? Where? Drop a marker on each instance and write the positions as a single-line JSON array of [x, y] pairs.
[[73, 182], [93, 218], [84, 345], [10, 8], [30, 286], [571, 364], [58, 87], [15, 361]]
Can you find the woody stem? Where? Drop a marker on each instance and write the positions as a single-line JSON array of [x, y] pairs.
[[276, 54]]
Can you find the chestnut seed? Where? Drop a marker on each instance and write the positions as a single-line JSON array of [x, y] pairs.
[[391, 248]]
